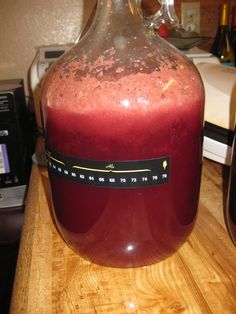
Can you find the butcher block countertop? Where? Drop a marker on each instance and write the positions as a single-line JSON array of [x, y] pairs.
[[199, 278]]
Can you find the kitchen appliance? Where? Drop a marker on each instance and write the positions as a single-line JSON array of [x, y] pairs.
[[218, 134], [219, 82], [220, 108], [14, 144]]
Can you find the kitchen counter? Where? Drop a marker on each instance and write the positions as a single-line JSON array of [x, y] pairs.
[[199, 278]]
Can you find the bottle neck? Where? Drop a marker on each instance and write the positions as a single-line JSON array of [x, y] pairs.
[[116, 27], [116, 8], [122, 13], [113, 6], [224, 15]]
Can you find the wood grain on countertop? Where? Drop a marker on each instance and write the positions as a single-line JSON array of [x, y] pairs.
[[199, 278]]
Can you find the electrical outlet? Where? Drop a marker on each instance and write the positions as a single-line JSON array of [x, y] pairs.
[[190, 16]]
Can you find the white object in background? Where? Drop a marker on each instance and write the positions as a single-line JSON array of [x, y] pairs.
[[220, 107], [220, 86], [44, 58], [220, 104], [217, 151], [198, 55], [190, 16]]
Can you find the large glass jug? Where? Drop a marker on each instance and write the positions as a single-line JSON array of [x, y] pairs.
[[123, 116]]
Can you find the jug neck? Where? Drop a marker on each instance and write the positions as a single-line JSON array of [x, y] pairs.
[[117, 16], [115, 7]]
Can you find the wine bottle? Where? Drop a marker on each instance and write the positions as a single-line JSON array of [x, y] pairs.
[[231, 204], [222, 47], [233, 32]]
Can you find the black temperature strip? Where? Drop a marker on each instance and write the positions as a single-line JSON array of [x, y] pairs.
[[115, 174]]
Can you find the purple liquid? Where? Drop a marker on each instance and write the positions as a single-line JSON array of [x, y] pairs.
[[128, 227]]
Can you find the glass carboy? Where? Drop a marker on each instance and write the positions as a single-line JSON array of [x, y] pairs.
[[123, 118]]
